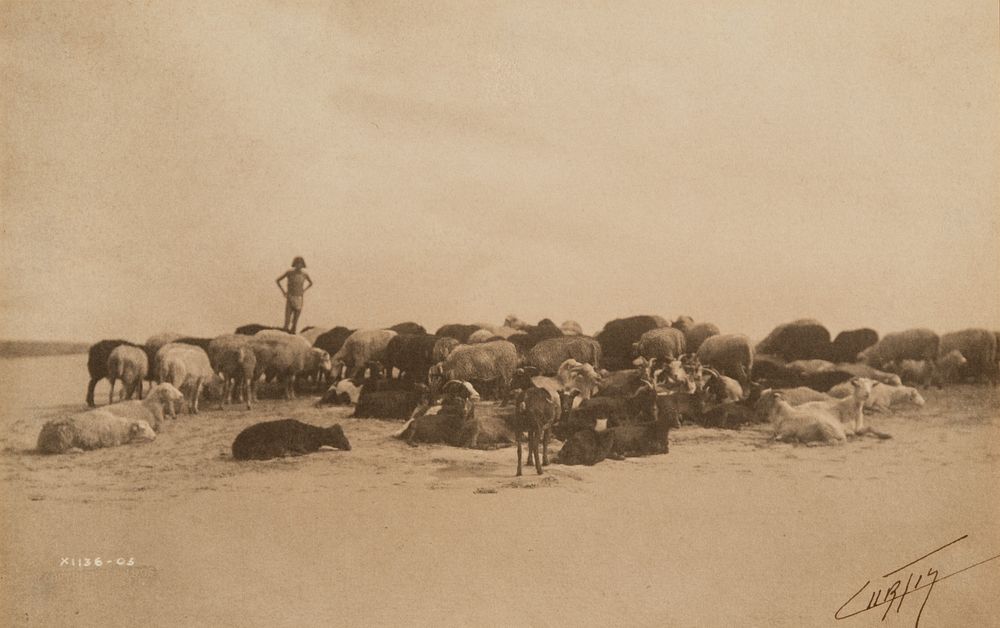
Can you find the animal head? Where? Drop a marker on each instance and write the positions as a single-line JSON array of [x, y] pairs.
[[459, 388], [323, 360], [863, 387], [514, 322], [140, 431], [571, 328], [914, 397], [673, 376], [953, 358], [334, 436], [683, 323], [166, 394], [894, 380]]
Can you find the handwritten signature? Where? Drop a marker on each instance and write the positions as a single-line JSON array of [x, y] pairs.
[[890, 595]]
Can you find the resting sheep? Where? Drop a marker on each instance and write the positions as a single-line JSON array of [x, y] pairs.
[[129, 364], [882, 398], [160, 403], [94, 429], [286, 437], [912, 344]]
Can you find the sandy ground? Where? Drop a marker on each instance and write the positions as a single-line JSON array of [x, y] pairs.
[[728, 529]]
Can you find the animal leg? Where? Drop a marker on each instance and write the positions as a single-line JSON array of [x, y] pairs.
[[197, 394], [517, 437], [533, 443], [545, 446]]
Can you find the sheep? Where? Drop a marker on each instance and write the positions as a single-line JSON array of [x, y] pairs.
[[187, 367], [665, 343], [824, 380], [317, 366], [360, 348], [534, 334], [487, 362], [730, 354], [944, 369], [482, 335], [849, 410], [549, 354], [234, 359], [803, 394], [281, 356], [536, 411], [806, 367], [97, 363], [640, 407], [408, 327], [697, 334], [93, 429], [156, 341], [312, 333], [253, 328], [501, 331], [882, 398], [848, 344], [286, 437], [863, 370], [618, 336], [514, 322], [979, 347], [414, 354], [587, 446], [331, 341], [912, 344], [158, 404], [129, 364], [684, 323], [459, 332], [805, 426], [772, 371], [621, 383], [802, 339], [571, 328]]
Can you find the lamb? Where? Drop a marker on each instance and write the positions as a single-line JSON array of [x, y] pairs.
[[804, 426], [233, 358], [286, 437], [186, 367], [487, 362], [536, 411], [94, 429], [129, 364], [161, 402], [360, 348], [97, 363], [549, 354], [882, 398]]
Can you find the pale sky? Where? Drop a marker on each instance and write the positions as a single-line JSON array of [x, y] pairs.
[[746, 163]]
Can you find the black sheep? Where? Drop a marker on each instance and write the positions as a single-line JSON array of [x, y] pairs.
[[97, 363], [643, 439], [414, 354], [824, 380], [458, 331], [253, 328], [586, 447], [803, 339], [640, 407], [408, 327], [389, 404], [286, 437], [617, 339], [848, 344]]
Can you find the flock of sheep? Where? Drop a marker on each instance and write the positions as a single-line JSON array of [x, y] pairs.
[[612, 395]]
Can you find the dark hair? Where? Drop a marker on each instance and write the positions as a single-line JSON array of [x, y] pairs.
[[298, 262]]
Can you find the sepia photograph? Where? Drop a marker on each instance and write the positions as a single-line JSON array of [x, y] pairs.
[[499, 313]]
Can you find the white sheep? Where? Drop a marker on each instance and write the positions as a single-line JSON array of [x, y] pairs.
[[129, 364], [158, 404], [93, 429], [280, 355], [882, 397], [234, 360], [185, 366], [360, 348]]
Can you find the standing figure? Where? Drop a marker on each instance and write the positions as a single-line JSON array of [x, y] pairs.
[[297, 285]]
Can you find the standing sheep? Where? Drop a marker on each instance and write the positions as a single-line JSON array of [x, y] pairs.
[[186, 367], [129, 364], [233, 358], [280, 356], [619, 335], [912, 344], [730, 354], [664, 343], [97, 363], [360, 348], [414, 354], [848, 344], [493, 362], [457, 331], [408, 328], [549, 354], [979, 347]]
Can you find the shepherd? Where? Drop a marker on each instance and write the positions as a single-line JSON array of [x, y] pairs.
[[298, 282]]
